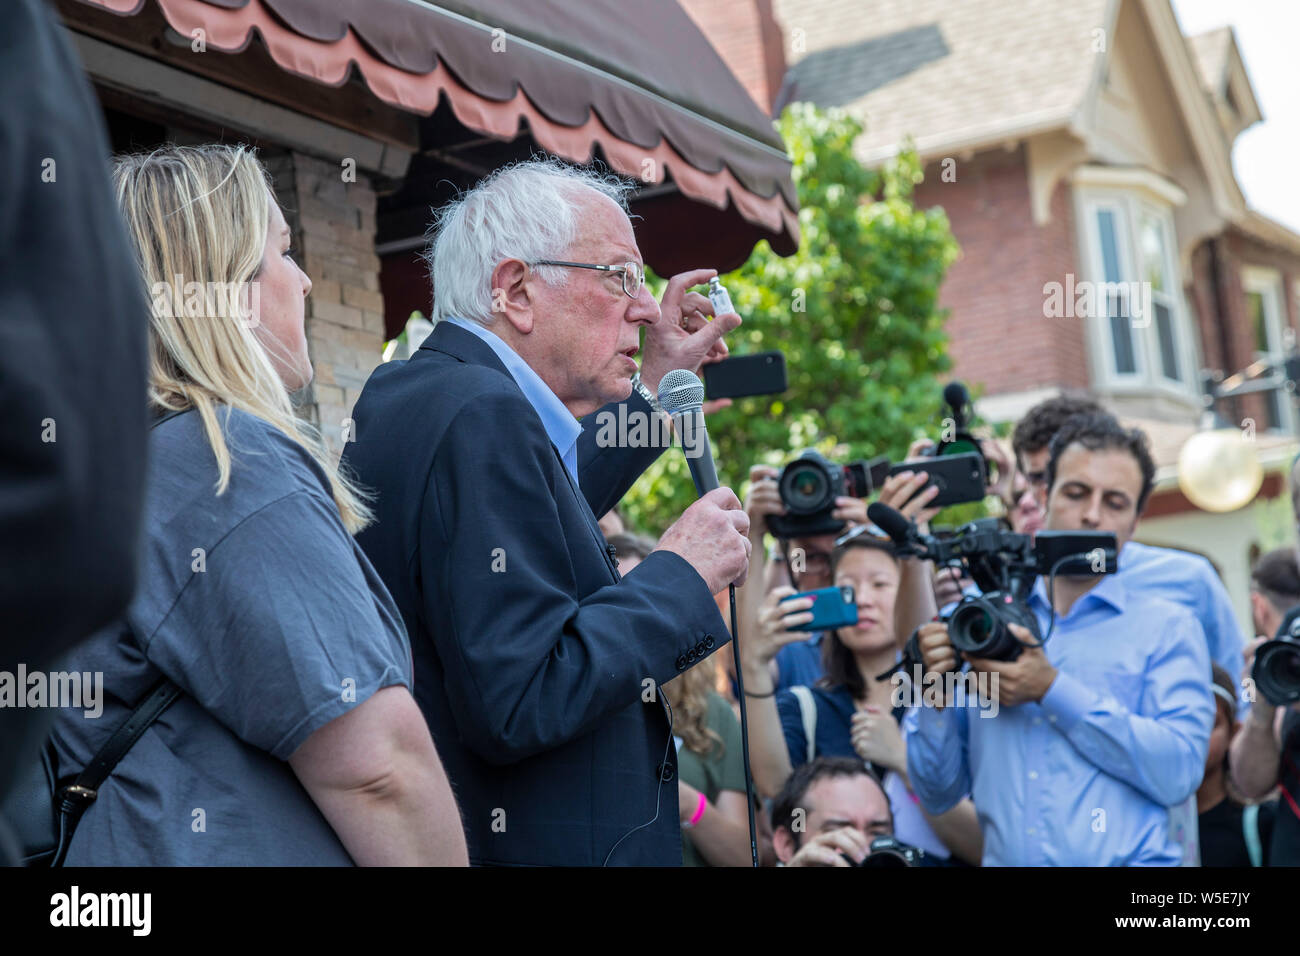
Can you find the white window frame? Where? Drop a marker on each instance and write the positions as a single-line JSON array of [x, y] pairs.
[[1268, 284], [1130, 204]]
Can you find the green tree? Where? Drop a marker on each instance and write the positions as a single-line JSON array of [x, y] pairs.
[[855, 310]]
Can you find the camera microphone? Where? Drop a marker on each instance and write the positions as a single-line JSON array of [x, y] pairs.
[[900, 530], [682, 396], [958, 399]]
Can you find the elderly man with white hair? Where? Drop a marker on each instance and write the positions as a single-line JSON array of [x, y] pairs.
[[536, 665]]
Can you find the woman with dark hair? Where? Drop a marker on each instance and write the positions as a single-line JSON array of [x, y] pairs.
[[847, 713]]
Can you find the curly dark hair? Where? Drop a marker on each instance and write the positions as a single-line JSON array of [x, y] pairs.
[[1103, 431], [1034, 432]]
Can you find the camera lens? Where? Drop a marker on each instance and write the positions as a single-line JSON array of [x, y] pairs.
[[1277, 671], [978, 627], [805, 487], [959, 447]]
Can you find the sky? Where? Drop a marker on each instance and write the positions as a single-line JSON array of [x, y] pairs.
[[1264, 156]]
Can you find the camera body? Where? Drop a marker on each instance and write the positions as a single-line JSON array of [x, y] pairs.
[[1004, 565], [1276, 670], [809, 486]]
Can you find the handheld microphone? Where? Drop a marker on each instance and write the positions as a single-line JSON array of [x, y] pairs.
[[682, 396]]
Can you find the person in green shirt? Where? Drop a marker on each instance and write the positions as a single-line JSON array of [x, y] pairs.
[[710, 764]]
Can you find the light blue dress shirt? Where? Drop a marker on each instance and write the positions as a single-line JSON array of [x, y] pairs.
[[1190, 580], [1083, 777], [561, 427]]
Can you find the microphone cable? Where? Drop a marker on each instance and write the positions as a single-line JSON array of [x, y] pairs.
[[744, 728]]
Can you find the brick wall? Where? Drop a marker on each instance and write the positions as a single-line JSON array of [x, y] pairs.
[[333, 225], [998, 335], [1227, 312], [749, 40]]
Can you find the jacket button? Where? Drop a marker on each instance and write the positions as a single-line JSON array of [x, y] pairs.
[[681, 663], [708, 640], [692, 656], [700, 649], [666, 772]]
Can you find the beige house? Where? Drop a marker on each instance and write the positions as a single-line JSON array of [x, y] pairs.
[[1082, 145]]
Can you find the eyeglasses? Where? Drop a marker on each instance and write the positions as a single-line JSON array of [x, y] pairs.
[[633, 275], [873, 533]]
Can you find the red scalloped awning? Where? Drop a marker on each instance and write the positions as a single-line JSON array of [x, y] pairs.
[[642, 83]]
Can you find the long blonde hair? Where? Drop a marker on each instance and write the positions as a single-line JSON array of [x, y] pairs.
[[688, 694], [199, 214]]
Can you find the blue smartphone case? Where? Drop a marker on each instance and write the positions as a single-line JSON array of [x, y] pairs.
[[832, 607]]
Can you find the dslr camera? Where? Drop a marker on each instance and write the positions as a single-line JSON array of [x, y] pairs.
[[1276, 670], [809, 486], [889, 852], [1004, 565]]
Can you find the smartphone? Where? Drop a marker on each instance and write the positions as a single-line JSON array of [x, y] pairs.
[[960, 478], [744, 375], [832, 607]]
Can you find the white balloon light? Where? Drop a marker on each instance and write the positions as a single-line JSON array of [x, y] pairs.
[[1219, 470]]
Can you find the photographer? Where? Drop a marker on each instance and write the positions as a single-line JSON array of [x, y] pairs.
[[848, 712], [807, 561], [1101, 727], [1148, 571], [1264, 755], [828, 813]]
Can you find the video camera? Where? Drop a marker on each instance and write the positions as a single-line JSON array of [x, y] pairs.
[[1004, 565], [809, 486], [1276, 670]]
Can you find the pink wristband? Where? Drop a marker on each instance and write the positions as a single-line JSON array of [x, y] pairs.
[[699, 812]]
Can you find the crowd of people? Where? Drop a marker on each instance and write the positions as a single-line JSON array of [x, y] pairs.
[[434, 652]]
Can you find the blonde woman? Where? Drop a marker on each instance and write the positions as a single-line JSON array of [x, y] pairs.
[[295, 739]]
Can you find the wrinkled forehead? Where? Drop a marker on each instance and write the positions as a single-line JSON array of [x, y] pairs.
[[604, 230]]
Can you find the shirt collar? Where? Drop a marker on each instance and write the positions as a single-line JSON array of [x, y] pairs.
[[561, 427], [1109, 590]]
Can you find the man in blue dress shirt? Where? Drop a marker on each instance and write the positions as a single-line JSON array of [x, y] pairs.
[[1105, 727], [1148, 571]]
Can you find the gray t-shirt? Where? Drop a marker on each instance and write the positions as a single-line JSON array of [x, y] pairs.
[[262, 608]]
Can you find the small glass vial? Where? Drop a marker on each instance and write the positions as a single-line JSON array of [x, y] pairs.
[[719, 297]]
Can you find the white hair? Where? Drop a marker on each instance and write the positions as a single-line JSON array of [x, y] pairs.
[[526, 210]]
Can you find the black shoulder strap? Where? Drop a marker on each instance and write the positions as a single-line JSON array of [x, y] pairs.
[[77, 796]]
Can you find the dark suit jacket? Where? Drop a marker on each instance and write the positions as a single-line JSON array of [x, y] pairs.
[[532, 657], [73, 368]]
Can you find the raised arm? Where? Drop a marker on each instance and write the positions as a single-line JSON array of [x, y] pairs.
[[528, 665]]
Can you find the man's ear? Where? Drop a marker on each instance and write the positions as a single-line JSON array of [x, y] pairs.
[[511, 297], [783, 843]]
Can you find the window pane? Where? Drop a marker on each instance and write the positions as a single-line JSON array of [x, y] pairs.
[[1153, 255], [1168, 351], [1109, 245], [1255, 311], [1121, 333]]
